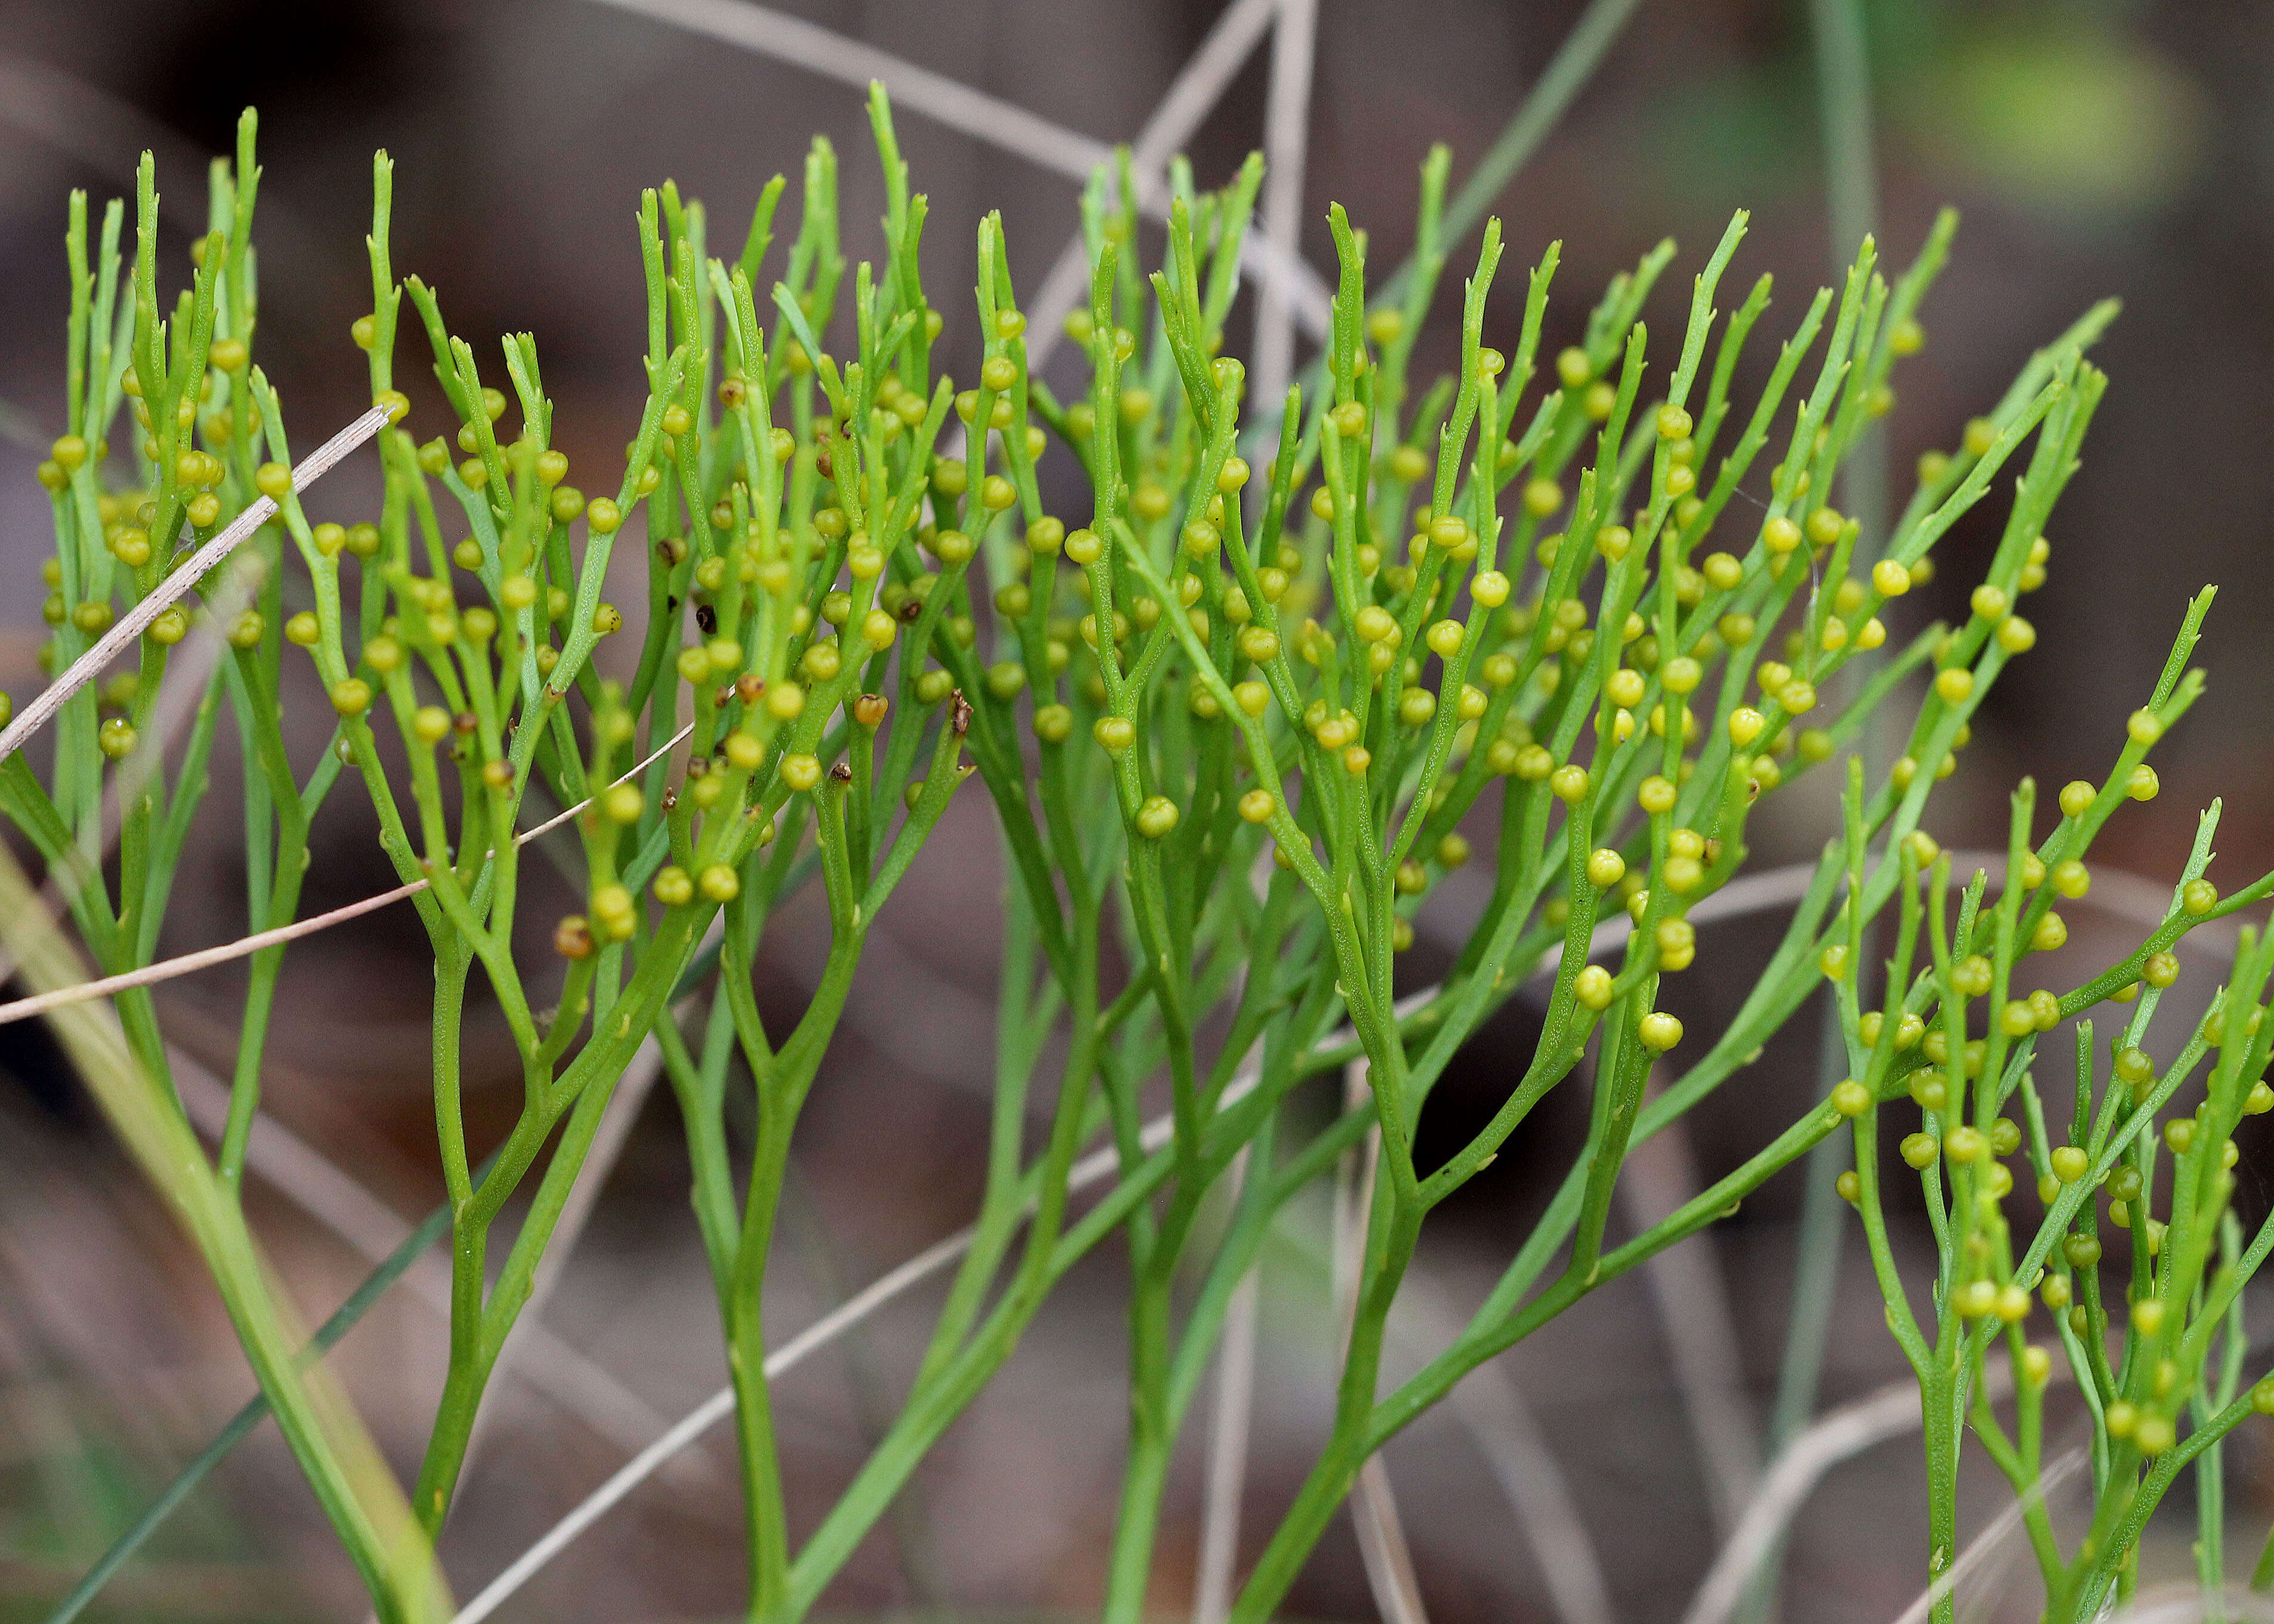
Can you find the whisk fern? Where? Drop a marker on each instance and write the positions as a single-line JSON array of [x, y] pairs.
[[1238, 709]]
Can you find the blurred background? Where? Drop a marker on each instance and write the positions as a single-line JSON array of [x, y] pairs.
[[2094, 147]]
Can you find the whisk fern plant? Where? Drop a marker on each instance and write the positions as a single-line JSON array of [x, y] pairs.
[[1238, 709]]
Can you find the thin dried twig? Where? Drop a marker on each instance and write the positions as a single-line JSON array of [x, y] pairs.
[[1986, 1543], [193, 662], [179, 581], [1499, 1421], [1686, 1283], [1191, 97], [245, 947], [1287, 144], [1229, 1429], [1889, 1412], [192, 665], [970, 112], [856, 62]]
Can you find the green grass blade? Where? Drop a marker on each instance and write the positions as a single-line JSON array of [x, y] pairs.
[[240, 1426]]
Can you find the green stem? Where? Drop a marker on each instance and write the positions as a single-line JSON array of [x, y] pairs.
[[1939, 1400], [936, 1403], [470, 1358]]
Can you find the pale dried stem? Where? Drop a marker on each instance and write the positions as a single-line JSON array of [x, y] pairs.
[[1657, 1179], [1191, 97], [984, 118], [179, 581], [1492, 1407], [2003, 1527], [1286, 145], [245, 947], [1229, 1430]]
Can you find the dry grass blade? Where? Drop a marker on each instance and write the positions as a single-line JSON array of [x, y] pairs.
[[858, 64], [1287, 143], [1227, 1461], [1693, 1295], [179, 582], [167, 970], [245, 947], [2002, 1528], [1191, 98], [1890, 1412]]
